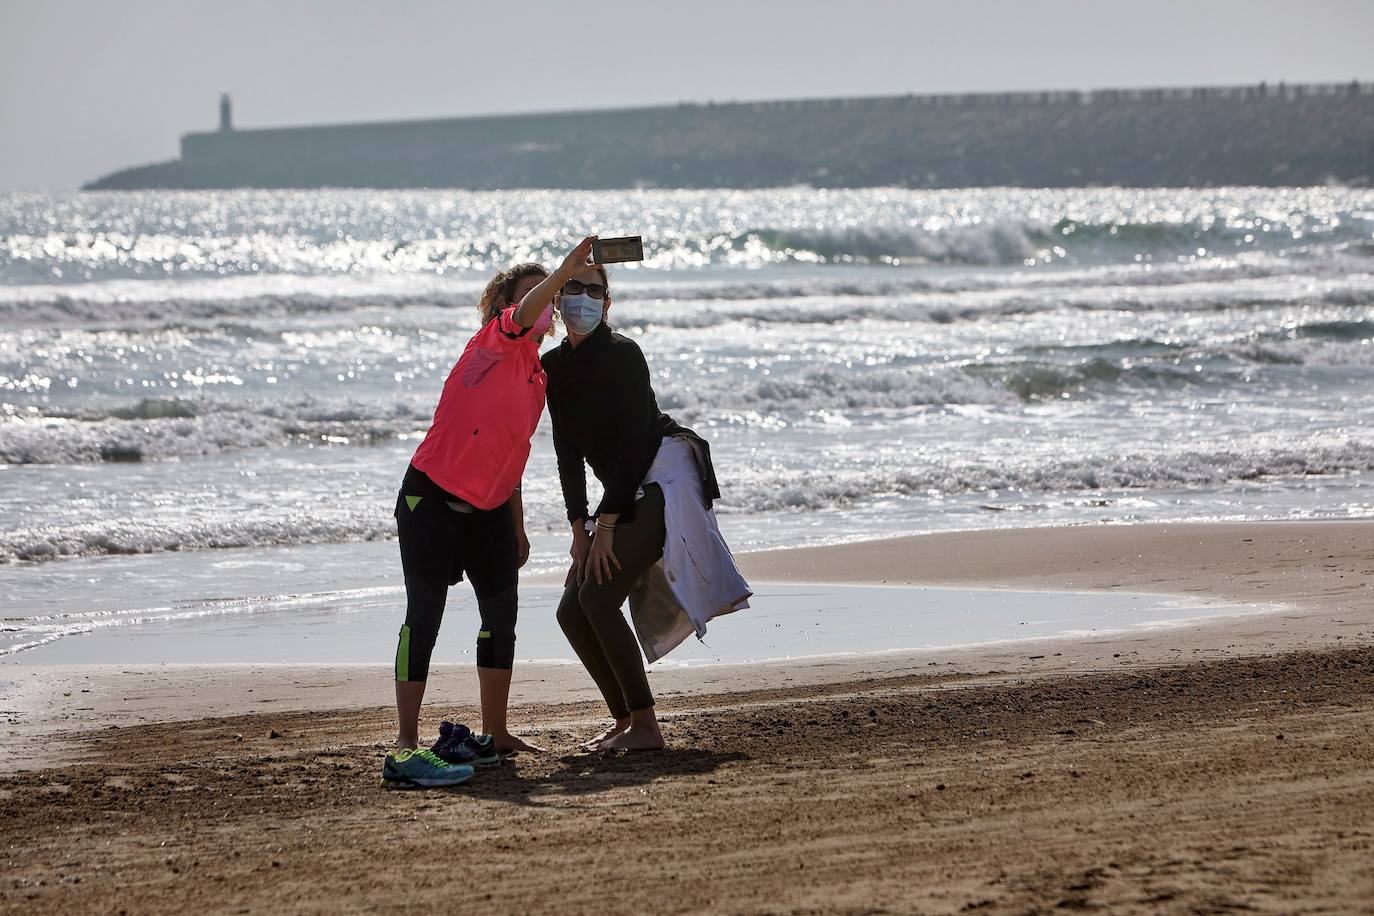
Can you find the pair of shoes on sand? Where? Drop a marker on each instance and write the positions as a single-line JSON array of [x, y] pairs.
[[448, 763]]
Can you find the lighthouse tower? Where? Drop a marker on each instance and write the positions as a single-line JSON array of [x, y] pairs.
[[226, 120]]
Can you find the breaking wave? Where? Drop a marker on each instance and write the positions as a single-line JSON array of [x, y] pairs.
[[1005, 243], [132, 536], [751, 491], [709, 304], [819, 489], [161, 428]]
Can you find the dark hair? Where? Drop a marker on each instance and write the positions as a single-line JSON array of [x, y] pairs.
[[502, 288]]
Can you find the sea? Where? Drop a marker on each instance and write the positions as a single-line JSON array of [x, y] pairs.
[[208, 399]]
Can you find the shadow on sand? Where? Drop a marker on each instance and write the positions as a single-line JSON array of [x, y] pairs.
[[528, 780]]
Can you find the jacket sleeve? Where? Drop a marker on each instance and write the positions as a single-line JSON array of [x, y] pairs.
[[572, 472], [504, 334], [635, 428]]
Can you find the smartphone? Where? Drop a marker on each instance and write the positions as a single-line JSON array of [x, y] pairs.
[[615, 251]]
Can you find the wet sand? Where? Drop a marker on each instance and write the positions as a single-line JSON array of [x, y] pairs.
[[1214, 766]]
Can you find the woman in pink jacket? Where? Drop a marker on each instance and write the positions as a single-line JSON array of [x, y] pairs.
[[459, 513]]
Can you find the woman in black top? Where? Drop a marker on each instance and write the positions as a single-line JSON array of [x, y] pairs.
[[604, 414]]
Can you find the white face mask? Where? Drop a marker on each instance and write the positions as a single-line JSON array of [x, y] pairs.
[[581, 313]]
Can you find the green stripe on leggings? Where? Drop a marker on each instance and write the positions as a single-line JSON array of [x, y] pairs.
[[403, 655]]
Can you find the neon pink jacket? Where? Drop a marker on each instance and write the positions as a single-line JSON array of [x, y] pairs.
[[480, 440]]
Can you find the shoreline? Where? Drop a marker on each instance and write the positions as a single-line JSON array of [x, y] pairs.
[[1316, 572]]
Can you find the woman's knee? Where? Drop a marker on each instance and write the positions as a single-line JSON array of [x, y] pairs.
[[496, 638], [414, 647], [425, 600], [569, 611], [591, 599]]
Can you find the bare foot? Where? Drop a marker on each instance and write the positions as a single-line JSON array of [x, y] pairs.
[[635, 738], [607, 735], [510, 744]]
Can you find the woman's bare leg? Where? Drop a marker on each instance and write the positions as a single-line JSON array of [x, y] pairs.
[[409, 696], [582, 637], [494, 685]]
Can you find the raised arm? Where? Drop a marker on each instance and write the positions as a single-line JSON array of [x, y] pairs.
[[529, 309]]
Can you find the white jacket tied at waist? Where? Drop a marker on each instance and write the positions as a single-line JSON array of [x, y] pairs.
[[697, 579]]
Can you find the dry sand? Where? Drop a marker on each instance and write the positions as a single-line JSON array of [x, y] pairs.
[[1216, 766]]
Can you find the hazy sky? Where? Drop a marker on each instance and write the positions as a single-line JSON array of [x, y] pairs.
[[89, 86]]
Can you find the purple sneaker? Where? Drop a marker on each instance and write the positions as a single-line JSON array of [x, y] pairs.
[[457, 744]]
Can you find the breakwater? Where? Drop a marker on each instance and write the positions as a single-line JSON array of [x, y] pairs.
[[1200, 137]]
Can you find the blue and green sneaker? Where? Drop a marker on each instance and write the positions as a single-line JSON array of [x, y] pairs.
[[412, 768]]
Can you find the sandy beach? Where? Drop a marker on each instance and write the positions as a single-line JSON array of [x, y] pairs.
[[1224, 764]]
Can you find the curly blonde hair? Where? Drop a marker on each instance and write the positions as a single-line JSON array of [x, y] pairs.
[[499, 291]]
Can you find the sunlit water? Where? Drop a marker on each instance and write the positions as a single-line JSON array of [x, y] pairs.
[[196, 372]]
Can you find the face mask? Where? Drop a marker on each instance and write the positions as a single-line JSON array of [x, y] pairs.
[[541, 324], [581, 313]]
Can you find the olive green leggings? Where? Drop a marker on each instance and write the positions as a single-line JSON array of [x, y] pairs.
[[591, 618]]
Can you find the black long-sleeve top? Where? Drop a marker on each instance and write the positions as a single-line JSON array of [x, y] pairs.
[[604, 413]]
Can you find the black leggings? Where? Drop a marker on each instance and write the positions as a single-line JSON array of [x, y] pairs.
[[590, 614], [442, 538]]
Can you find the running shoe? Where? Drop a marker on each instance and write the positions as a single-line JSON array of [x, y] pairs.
[[410, 768], [452, 744], [457, 744]]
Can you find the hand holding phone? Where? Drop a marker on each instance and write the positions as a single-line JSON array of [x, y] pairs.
[[577, 259], [619, 250]]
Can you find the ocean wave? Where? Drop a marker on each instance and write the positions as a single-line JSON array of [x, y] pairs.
[[1048, 381], [830, 389], [1320, 355], [133, 536], [1350, 330], [1006, 243], [38, 306], [151, 236], [749, 491], [998, 243], [1047, 236], [765, 491], [1324, 343], [162, 428], [1142, 365], [989, 305], [157, 429], [642, 300]]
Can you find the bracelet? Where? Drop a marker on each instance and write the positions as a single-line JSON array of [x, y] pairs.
[[602, 526]]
